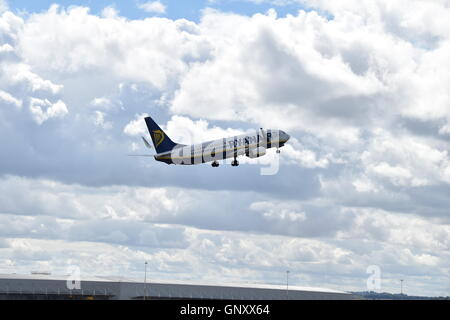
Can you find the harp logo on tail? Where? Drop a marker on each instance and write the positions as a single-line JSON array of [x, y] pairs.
[[158, 135]]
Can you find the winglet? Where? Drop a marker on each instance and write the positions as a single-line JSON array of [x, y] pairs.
[[146, 143]]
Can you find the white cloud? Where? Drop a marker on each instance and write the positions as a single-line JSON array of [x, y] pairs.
[[275, 2], [155, 51], [187, 131], [364, 184], [364, 96], [181, 129], [304, 157], [9, 99], [22, 73], [445, 129], [42, 110], [102, 102], [99, 120], [272, 213], [153, 7], [122, 222], [110, 13], [137, 127], [6, 48], [3, 6], [406, 161], [398, 175], [51, 198]]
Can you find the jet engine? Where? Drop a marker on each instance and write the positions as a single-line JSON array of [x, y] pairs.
[[256, 152]]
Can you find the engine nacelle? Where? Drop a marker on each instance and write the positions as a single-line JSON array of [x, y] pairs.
[[256, 152]]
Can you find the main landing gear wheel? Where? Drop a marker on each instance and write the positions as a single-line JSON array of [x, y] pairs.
[[234, 163], [215, 164]]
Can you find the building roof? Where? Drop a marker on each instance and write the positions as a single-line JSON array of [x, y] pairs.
[[115, 279]]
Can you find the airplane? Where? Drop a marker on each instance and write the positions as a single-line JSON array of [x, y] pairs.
[[251, 145]]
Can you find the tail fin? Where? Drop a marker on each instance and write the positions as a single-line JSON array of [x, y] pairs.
[[160, 140]]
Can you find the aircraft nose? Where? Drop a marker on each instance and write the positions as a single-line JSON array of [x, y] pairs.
[[286, 136]]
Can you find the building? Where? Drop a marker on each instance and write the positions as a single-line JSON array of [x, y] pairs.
[[49, 287]]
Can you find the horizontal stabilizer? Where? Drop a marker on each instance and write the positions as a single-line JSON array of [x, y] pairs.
[[146, 143]]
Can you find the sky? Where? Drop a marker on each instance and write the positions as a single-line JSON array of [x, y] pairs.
[[172, 9], [362, 87]]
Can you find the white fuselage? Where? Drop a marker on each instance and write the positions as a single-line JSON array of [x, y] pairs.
[[251, 145]]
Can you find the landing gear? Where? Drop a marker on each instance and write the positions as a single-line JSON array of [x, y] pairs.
[[278, 150], [215, 164], [235, 163]]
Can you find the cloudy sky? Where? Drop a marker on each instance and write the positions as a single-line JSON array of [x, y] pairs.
[[363, 88]]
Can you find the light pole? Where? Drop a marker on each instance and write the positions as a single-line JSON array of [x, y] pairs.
[[287, 284], [401, 286], [145, 281]]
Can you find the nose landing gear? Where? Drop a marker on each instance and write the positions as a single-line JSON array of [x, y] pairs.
[[234, 163], [215, 164]]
